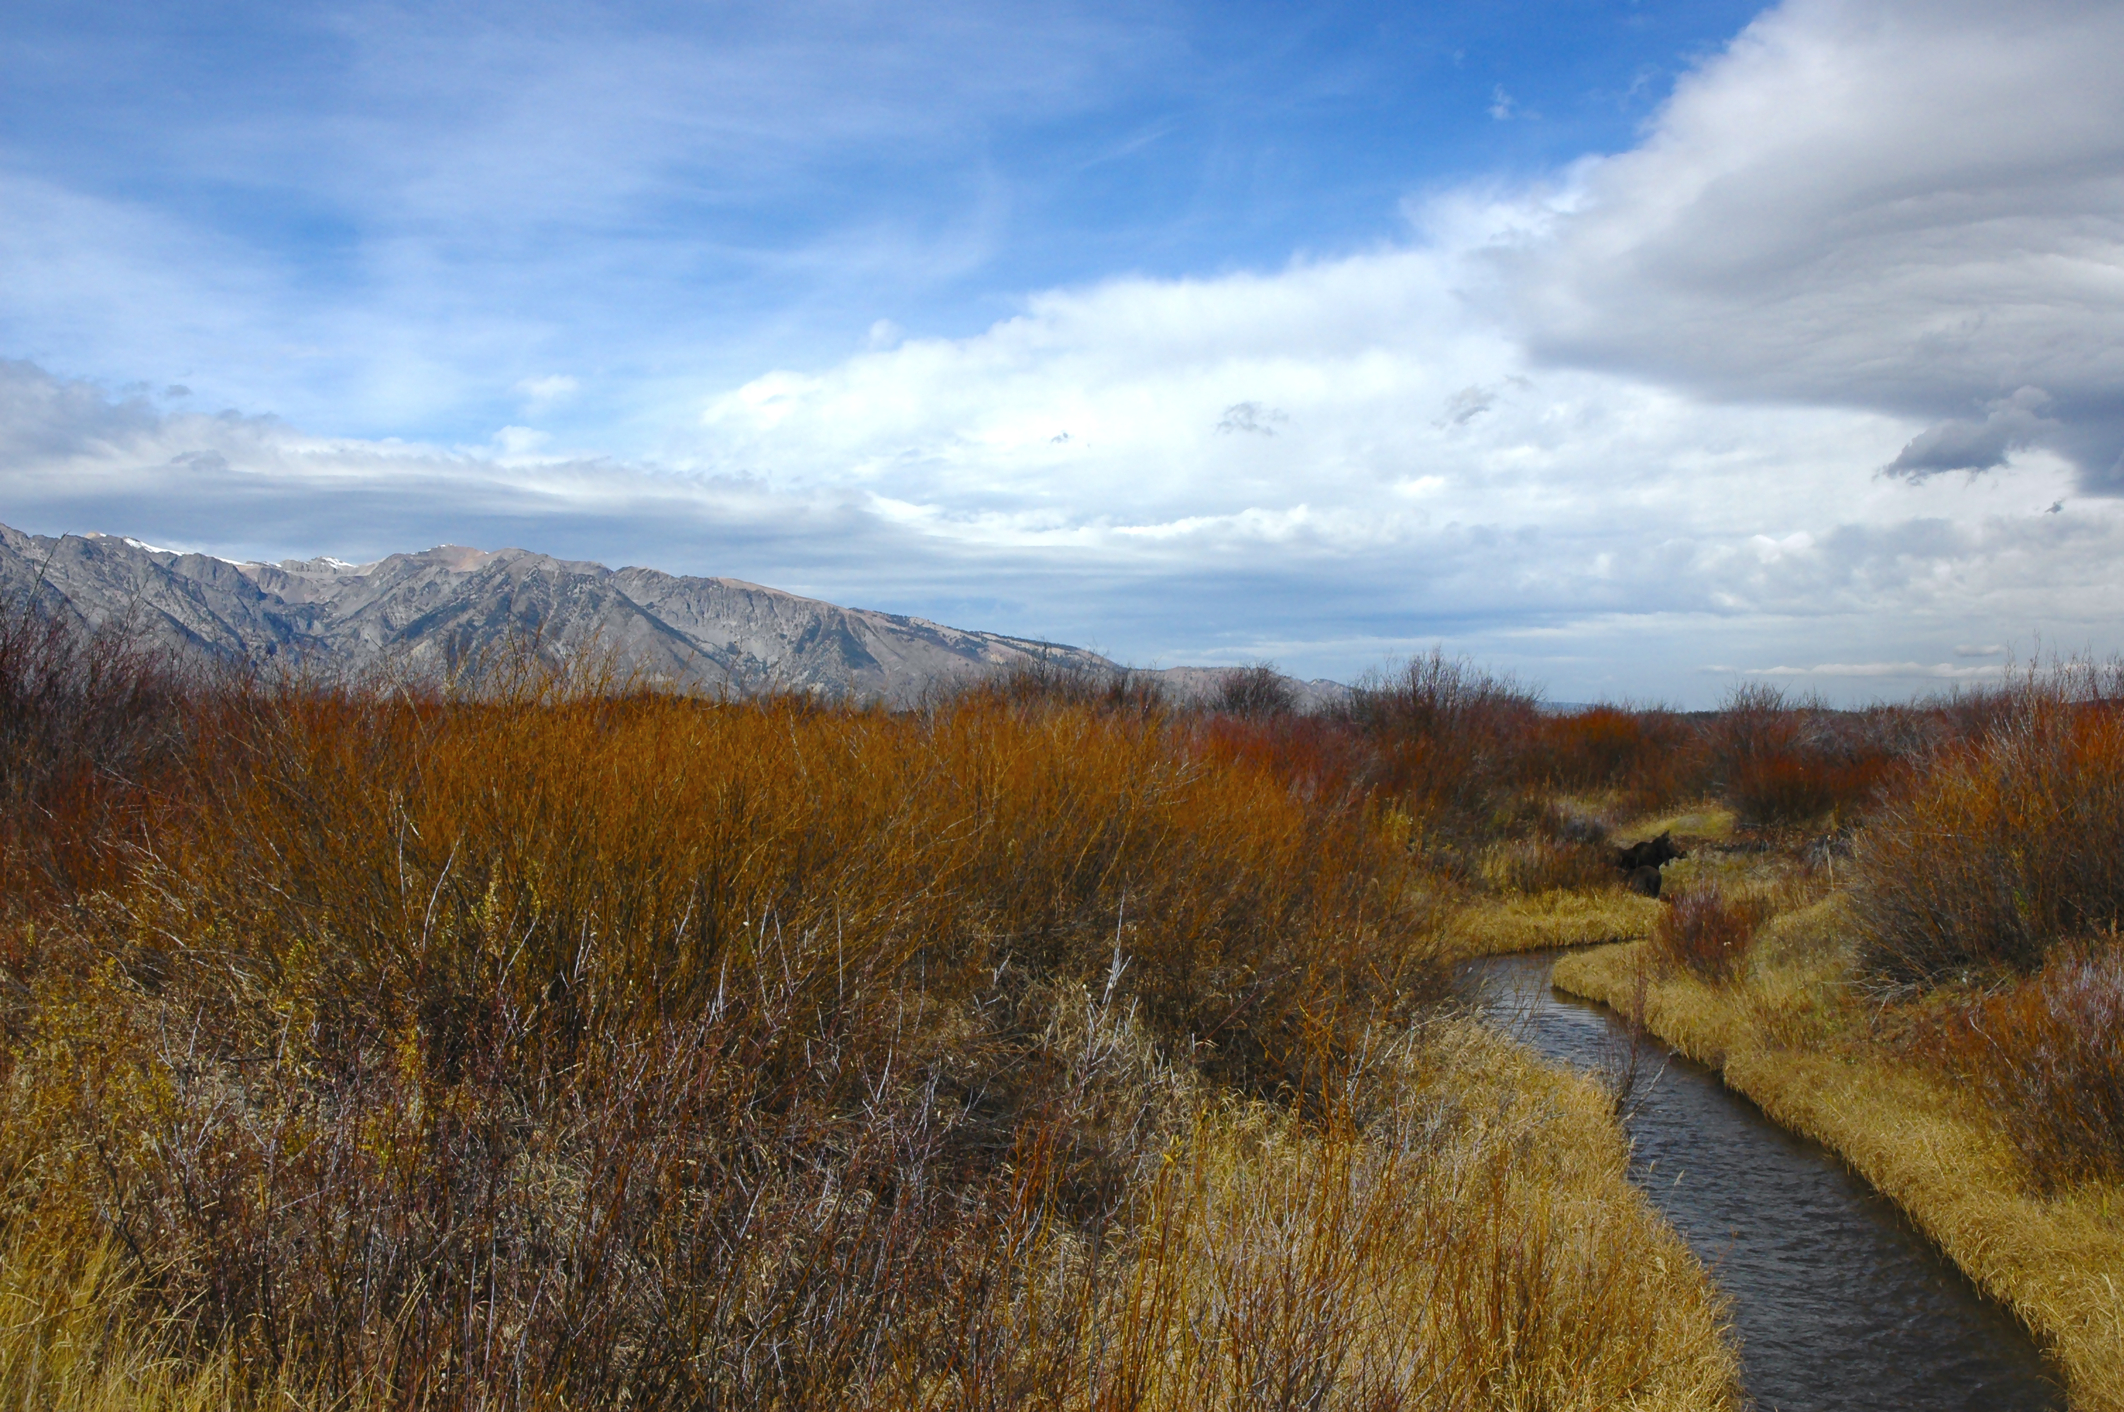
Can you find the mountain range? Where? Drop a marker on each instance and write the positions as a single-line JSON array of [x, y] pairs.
[[427, 611]]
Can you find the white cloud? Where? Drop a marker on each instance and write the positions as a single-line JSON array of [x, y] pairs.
[[512, 444], [1909, 205], [75, 457], [1603, 434], [1878, 671], [443, 205], [1601, 535], [1545, 512], [540, 393]]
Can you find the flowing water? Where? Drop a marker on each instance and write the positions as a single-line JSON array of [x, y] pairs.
[[1838, 1301]]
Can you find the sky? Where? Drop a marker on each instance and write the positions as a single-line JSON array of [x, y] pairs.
[[1640, 349]]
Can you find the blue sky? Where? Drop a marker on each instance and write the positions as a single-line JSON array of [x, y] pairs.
[[1639, 347], [652, 193]]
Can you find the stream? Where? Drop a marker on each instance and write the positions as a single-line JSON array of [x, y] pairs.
[[1838, 1301]]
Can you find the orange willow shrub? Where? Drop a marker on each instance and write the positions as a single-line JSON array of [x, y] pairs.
[[1784, 762], [1451, 743], [435, 1054], [88, 720], [1706, 932], [1324, 759], [2002, 848], [1648, 757], [2047, 1055]]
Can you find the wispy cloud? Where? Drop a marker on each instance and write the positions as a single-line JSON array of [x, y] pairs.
[[1876, 671], [539, 393], [458, 199]]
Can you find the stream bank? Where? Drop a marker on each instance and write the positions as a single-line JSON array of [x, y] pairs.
[[1839, 1301]]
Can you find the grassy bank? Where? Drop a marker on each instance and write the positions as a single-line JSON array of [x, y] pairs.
[[542, 1047], [1790, 1032], [1898, 932]]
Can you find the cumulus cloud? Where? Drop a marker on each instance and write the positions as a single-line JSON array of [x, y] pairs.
[[1602, 535], [1588, 524], [75, 457], [1909, 205]]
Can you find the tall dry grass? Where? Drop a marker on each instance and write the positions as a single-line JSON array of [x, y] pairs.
[[522, 1047], [1465, 1249]]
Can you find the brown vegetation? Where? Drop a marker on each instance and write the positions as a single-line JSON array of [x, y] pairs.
[[2009, 842], [540, 1046], [2047, 1056], [1778, 762], [538, 1041], [1706, 931], [87, 722], [1908, 947]]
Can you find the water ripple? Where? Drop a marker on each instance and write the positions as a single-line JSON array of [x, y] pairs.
[[1839, 1302]]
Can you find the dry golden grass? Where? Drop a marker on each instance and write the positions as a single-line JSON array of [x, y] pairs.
[[1706, 820], [1492, 926], [1473, 1243], [1788, 1038], [1525, 912], [1456, 1253]]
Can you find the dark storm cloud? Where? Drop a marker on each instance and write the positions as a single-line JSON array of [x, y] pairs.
[[2014, 424]]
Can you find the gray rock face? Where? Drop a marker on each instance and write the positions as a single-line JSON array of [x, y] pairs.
[[427, 612]]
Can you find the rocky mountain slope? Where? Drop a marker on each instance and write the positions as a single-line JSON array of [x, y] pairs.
[[429, 610]]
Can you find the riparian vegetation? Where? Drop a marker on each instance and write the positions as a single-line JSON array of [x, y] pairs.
[[524, 1039]]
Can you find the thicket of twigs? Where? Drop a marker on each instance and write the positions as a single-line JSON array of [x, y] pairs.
[[530, 1039], [2010, 839], [529, 1045]]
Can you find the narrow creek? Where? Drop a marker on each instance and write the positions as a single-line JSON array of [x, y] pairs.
[[1838, 1301]]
